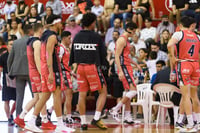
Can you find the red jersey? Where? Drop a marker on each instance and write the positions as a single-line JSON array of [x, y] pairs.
[[125, 55], [64, 55], [188, 46]]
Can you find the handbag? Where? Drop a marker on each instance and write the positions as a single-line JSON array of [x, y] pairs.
[[139, 11]]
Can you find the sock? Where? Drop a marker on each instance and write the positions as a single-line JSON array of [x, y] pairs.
[[97, 115], [32, 120], [69, 116], [194, 115], [23, 114], [44, 118], [118, 106], [64, 117], [60, 121], [83, 119], [127, 113], [190, 120], [198, 117], [180, 118]]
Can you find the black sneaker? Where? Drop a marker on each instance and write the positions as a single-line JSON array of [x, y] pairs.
[[129, 122], [10, 121], [49, 115], [73, 120], [84, 127], [179, 125], [99, 124], [38, 121]]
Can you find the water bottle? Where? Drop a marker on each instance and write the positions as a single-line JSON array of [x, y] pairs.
[[173, 76]]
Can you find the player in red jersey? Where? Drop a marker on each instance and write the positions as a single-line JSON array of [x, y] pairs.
[[33, 55], [50, 73], [125, 72], [186, 44]]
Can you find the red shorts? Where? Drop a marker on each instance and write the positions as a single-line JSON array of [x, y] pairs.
[[128, 74], [35, 82], [67, 82], [89, 77], [49, 87], [188, 73]]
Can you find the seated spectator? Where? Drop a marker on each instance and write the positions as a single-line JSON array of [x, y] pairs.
[[178, 7], [164, 24], [72, 27], [22, 10], [137, 43], [39, 7], [76, 13], [33, 17], [193, 11], [142, 11], [122, 10], [82, 4], [117, 24], [151, 63], [2, 26], [48, 13], [160, 64], [149, 31], [13, 18], [8, 8], [164, 40], [160, 54], [15, 31], [97, 9], [108, 10], [56, 6], [142, 58]]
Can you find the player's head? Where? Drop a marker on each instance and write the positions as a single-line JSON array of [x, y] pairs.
[[131, 28], [66, 37], [54, 21], [38, 28], [188, 22], [89, 20], [11, 39], [28, 30]]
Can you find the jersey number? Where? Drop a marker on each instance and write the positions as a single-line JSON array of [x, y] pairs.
[[191, 50]]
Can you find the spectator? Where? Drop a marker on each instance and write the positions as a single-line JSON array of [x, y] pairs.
[[142, 11], [82, 4], [2, 26], [97, 9], [122, 10], [56, 6], [15, 31], [76, 13], [18, 66], [142, 58], [160, 54], [151, 63], [22, 10], [137, 43], [72, 27], [8, 90], [160, 64], [178, 7], [108, 9], [3, 46], [14, 18], [39, 7], [108, 37], [8, 8], [164, 24], [33, 17], [164, 40], [48, 12], [149, 31]]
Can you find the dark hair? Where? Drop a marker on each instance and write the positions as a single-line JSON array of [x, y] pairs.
[[65, 34], [161, 62], [36, 11], [2, 41], [156, 44], [148, 19], [12, 13], [186, 21], [88, 19], [153, 55], [51, 18], [144, 49], [37, 26], [116, 31], [131, 26], [27, 28], [165, 30], [50, 8], [12, 38]]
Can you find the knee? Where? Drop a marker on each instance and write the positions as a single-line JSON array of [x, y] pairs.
[[131, 94]]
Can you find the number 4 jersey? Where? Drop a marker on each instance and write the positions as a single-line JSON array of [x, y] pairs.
[[188, 46]]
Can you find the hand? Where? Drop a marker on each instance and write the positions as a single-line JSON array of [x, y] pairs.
[[50, 78], [140, 69], [121, 75]]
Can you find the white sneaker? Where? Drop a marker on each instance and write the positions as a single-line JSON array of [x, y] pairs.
[[115, 115], [188, 130], [128, 119], [63, 129], [33, 128]]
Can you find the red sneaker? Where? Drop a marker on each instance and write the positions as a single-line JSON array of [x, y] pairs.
[[19, 122], [48, 126]]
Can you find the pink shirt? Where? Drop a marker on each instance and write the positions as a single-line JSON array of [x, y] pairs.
[[73, 30]]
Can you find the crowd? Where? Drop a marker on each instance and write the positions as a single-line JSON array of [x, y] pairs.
[[123, 33]]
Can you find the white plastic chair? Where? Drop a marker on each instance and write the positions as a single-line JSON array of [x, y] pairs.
[[165, 92], [142, 99]]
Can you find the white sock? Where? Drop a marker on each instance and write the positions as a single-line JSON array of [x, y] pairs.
[[32, 120], [97, 115], [118, 106], [198, 117], [180, 118], [194, 115], [190, 120], [23, 114], [60, 121], [69, 116], [127, 113], [44, 118], [83, 119]]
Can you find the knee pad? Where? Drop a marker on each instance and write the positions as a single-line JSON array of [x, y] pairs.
[[131, 94]]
